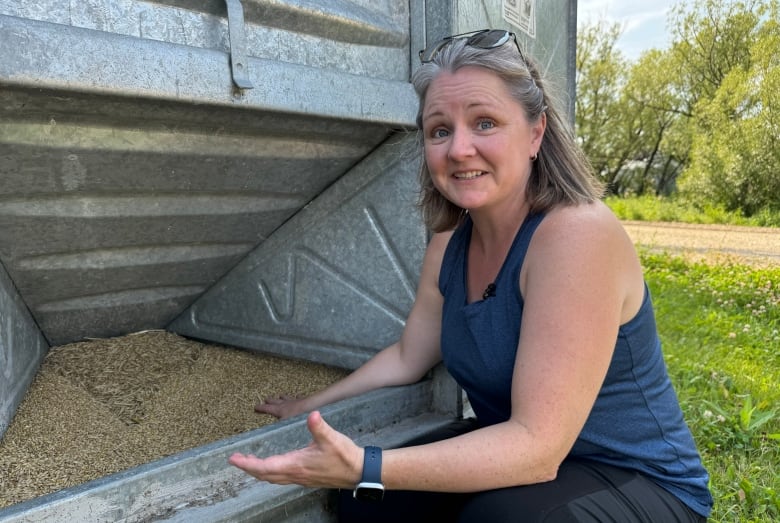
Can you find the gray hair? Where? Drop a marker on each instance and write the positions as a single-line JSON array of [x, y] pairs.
[[561, 175]]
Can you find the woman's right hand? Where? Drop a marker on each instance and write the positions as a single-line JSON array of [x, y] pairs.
[[282, 407]]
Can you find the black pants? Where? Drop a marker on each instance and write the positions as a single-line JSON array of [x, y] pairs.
[[583, 491]]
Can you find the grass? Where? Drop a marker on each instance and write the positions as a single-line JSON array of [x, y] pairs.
[[720, 326], [671, 209]]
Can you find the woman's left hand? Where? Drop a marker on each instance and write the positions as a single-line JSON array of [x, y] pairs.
[[331, 460]]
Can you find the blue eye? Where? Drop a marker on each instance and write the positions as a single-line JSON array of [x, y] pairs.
[[440, 133], [485, 124]]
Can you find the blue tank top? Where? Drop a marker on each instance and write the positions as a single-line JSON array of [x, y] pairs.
[[636, 421]]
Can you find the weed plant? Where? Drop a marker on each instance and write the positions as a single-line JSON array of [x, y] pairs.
[[720, 327]]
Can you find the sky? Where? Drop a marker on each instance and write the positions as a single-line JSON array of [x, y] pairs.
[[643, 23]]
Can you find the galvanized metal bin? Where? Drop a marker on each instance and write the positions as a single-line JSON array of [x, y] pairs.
[[239, 172]]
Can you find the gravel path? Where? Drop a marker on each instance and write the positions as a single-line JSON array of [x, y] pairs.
[[713, 243]]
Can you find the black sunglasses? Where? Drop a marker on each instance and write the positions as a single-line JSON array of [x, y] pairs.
[[484, 39]]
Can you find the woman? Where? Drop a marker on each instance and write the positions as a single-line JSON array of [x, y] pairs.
[[533, 296]]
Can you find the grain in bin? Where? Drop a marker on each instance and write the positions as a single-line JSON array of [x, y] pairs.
[[203, 202]]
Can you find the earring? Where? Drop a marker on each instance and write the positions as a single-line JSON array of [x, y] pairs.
[[534, 157]]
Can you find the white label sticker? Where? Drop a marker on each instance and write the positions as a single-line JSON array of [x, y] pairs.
[[521, 13]]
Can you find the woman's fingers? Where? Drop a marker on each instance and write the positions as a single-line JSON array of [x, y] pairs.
[[330, 460], [281, 407]]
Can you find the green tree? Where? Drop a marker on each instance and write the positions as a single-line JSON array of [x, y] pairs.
[[709, 39], [702, 116], [601, 74], [624, 113], [659, 148], [735, 155]]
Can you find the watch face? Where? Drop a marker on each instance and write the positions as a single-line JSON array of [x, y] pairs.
[[369, 494]]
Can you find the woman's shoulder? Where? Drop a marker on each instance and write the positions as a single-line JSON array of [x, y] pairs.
[[432, 263], [594, 220], [437, 246], [587, 241], [584, 236], [440, 240], [593, 212]]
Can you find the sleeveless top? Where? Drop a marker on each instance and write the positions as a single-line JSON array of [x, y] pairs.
[[636, 421]]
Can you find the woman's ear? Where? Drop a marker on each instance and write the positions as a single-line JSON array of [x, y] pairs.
[[537, 131]]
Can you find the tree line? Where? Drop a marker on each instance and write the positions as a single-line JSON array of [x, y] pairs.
[[699, 120]]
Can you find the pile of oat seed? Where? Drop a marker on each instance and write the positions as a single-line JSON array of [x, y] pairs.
[[101, 406]]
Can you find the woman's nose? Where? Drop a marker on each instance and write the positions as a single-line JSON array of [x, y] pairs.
[[461, 145]]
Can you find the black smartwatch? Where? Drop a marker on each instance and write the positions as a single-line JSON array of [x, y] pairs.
[[370, 487]]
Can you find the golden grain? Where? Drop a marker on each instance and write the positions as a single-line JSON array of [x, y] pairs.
[[104, 405]]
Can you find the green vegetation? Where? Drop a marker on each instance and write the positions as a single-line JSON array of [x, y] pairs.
[[676, 209], [700, 119], [691, 134], [720, 326]]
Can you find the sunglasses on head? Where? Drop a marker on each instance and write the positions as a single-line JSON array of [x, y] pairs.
[[484, 39]]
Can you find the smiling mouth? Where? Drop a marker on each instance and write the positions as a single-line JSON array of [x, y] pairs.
[[469, 175]]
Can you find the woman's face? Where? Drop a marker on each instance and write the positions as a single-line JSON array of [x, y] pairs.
[[478, 141]]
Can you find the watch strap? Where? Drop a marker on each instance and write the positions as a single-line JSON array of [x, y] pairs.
[[372, 465]]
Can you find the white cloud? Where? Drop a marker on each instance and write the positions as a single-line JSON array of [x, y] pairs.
[[643, 23]]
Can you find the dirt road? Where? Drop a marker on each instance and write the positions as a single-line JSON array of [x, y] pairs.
[[714, 243]]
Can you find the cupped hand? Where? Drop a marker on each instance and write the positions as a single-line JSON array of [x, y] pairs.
[[331, 460], [281, 407]]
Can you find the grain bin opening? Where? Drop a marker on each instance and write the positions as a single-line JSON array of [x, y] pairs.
[[101, 406], [157, 197]]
